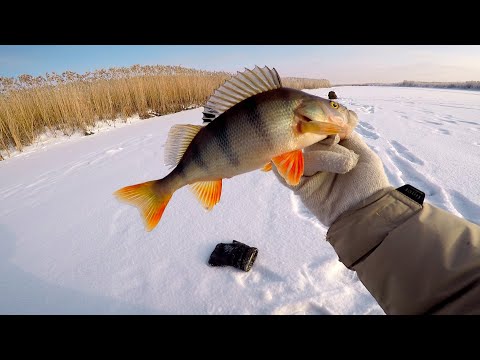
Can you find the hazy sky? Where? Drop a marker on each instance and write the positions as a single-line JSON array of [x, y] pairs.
[[337, 63]]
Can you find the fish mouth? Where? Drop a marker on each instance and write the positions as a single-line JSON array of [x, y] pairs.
[[337, 120], [352, 122], [352, 118], [344, 123]]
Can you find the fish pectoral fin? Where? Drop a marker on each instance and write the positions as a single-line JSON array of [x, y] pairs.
[[208, 192], [290, 166], [267, 167]]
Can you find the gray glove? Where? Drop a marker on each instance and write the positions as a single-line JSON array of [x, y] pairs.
[[338, 176]]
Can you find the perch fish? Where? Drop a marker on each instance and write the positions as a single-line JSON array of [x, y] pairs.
[[256, 124]]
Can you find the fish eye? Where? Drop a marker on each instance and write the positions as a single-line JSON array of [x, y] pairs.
[[333, 104]]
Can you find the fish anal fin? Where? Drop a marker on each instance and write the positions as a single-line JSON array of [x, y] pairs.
[[208, 192]]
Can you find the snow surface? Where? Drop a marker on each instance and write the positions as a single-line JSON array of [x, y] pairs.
[[67, 246]]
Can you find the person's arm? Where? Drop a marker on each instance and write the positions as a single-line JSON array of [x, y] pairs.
[[413, 259]]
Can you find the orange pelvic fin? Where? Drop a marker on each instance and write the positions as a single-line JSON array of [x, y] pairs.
[[149, 203], [208, 192], [267, 167], [290, 166]]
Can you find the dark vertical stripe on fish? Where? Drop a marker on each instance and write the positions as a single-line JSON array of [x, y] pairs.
[[255, 119], [197, 155], [223, 140], [180, 169]]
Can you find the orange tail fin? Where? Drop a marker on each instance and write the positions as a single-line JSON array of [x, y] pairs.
[[149, 203]]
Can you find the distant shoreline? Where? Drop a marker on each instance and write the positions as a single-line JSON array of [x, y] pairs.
[[467, 85]]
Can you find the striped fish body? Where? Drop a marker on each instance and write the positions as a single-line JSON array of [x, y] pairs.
[[256, 123], [245, 138]]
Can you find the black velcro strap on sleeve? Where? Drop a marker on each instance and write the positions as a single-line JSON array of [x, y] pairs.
[[413, 193]]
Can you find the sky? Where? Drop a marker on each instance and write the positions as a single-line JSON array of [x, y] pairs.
[[341, 64]]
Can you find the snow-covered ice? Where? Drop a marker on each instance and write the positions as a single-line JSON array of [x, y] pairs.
[[68, 246]]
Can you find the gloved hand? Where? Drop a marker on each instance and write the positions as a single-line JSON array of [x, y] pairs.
[[338, 176]]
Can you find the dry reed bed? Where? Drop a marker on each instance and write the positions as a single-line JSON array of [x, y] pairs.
[[30, 106]]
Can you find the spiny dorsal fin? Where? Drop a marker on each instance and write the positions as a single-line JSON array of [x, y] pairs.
[[179, 137], [240, 87]]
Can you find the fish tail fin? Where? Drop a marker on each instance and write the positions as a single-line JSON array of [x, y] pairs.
[[148, 198]]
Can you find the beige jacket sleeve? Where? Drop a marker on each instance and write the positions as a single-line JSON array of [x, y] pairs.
[[413, 259]]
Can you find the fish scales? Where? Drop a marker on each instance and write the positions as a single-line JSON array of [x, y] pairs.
[[255, 124]]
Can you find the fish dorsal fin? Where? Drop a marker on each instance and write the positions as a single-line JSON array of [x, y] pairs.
[[179, 137], [240, 87]]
